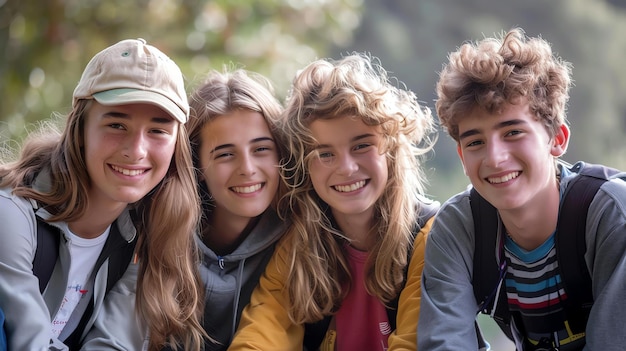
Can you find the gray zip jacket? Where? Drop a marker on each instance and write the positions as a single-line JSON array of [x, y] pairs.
[[28, 312], [448, 307], [229, 280]]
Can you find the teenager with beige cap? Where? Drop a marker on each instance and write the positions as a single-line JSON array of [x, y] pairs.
[[119, 176]]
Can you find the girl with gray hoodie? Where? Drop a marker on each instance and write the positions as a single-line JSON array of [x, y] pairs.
[[236, 154]]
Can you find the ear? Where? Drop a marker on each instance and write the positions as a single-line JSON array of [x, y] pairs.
[[460, 152], [560, 141]]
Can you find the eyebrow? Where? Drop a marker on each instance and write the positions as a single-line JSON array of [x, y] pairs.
[[504, 124], [356, 138], [160, 120], [226, 146]]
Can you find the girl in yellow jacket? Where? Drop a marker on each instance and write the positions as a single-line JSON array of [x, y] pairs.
[[347, 274]]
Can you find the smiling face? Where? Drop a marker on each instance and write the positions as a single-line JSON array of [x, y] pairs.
[[509, 157], [128, 151], [239, 162], [350, 172]]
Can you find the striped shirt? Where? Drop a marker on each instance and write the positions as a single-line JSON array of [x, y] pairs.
[[535, 291]]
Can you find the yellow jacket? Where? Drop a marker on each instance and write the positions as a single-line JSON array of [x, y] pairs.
[[265, 324]]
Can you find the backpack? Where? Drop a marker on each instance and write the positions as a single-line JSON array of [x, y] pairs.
[[570, 250], [116, 249], [3, 335], [314, 333]]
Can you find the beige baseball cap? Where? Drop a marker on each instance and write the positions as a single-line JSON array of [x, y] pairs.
[[132, 71]]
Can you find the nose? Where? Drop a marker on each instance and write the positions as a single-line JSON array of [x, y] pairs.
[[135, 147], [246, 165], [347, 165], [496, 153]]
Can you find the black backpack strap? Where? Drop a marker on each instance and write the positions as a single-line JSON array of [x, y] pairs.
[[571, 250], [486, 274], [119, 252], [314, 333], [47, 252]]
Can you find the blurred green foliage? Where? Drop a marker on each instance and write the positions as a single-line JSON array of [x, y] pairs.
[[45, 45]]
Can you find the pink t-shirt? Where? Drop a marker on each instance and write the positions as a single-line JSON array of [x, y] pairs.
[[362, 323]]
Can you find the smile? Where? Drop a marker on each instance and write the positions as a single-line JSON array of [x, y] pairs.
[[350, 187], [506, 178], [128, 172], [247, 189]]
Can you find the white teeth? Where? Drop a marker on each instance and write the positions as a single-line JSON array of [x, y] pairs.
[[246, 189], [503, 179], [128, 172], [351, 187]]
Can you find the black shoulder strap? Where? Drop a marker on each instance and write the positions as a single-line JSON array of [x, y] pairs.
[[47, 252], [119, 252], [570, 253], [485, 269], [120, 255], [314, 332]]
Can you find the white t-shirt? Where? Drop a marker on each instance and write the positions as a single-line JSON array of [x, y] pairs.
[[83, 256]]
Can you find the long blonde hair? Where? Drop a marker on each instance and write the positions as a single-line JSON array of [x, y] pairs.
[[357, 86], [169, 290]]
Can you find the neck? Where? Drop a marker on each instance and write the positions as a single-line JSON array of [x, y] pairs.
[[94, 221], [358, 228], [225, 233], [532, 225]]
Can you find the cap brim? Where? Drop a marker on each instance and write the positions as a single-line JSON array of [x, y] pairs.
[[134, 96]]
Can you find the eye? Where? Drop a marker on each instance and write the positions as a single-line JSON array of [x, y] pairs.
[[263, 148], [116, 126], [159, 131], [223, 155], [325, 155], [474, 143], [362, 146], [514, 132]]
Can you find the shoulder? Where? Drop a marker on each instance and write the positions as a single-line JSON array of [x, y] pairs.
[[427, 209], [606, 214], [457, 206], [19, 228], [612, 192], [454, 219], [14, 208]]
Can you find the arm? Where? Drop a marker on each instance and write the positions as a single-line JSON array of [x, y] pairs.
[[28, 321], [117, 326], [448, 307], [606, 257], [405, 335], [265, 324]]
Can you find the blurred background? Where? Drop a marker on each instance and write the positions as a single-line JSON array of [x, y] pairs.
[[44, 46]]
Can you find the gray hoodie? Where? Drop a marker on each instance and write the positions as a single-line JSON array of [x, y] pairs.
[[229, 280]]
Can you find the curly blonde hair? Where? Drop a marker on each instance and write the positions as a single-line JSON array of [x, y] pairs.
[[496, 71], [356, 86], [169, 291]]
